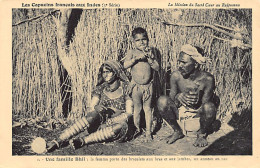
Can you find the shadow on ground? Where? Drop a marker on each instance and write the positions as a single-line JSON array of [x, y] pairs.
[[237, 142]]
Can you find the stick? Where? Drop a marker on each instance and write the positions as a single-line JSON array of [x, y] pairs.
[[35, 18], [205, 25]]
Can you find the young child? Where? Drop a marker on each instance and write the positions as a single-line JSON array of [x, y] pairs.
[[142, 62]]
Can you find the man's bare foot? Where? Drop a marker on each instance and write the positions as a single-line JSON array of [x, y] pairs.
[[168, 137], [201, 141], [174, 137]]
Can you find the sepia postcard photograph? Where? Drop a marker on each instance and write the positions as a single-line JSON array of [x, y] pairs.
[[122, 84]]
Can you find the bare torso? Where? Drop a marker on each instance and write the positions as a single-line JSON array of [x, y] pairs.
[[141, 72], [195, 86], [186, 85]]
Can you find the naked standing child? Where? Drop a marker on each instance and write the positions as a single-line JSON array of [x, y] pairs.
[[142, 62]]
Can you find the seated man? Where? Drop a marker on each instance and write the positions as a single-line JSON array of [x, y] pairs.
[[192, 89]]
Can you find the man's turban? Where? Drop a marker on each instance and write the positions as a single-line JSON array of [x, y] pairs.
[[193, 52]]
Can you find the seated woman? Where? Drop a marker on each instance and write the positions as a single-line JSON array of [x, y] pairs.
[[111, 107]]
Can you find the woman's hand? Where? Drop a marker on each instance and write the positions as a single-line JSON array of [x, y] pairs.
[[100, 108]]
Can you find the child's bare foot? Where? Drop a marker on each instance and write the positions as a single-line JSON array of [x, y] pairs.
[[201, 141], [174, 137], [148, 138]]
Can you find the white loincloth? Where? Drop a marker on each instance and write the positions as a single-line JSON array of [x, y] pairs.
[[187, 120]]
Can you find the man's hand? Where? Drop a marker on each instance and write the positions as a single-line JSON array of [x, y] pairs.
[[100, 108], [188, 99]]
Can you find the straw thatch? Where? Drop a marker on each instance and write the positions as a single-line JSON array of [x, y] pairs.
[[38, 56]]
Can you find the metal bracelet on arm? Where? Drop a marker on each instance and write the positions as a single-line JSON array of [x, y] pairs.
[[129, 106], [94, 102]]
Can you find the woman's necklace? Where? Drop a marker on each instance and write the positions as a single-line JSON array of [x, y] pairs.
[[112, 88]]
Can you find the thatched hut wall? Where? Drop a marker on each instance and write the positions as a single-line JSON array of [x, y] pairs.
[[105, 33], [36, 74]]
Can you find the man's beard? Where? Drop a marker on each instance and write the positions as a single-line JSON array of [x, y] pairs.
[[184, 74]]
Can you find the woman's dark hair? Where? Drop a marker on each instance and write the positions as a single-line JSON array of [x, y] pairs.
[[139, 30], [107, 67]]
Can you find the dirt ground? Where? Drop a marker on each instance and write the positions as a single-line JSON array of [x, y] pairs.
[[227, 141]]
